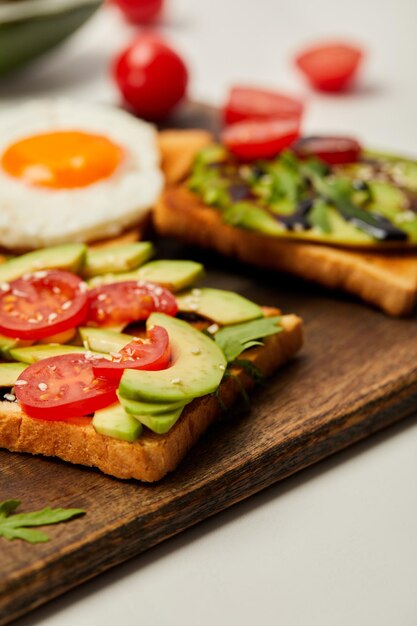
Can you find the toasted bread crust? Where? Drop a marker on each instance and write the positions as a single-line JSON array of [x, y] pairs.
[[151, 456], [178, 149], [387, 280]]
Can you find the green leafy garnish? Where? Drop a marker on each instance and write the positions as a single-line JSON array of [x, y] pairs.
[[233, 340], [17, 526]]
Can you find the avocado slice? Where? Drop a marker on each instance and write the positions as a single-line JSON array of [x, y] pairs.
[[160, 424], [103, 340], [173, 275], [35, 353], [117, 258], [113, 421], [7, 343], [197, 369], [10, 372], [133, 407], [67, 257], [222, 307]]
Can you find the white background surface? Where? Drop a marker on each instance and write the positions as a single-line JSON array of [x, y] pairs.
[[337, 544]]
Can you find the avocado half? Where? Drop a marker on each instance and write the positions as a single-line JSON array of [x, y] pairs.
[[31, 27]]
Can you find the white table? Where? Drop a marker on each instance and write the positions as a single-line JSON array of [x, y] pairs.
[[336, 544]]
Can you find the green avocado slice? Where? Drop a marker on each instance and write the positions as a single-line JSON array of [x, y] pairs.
[[133, 407], [218, 305], [66, 257], [113, 421], [197, 368], [35, 353], [116, 259], [10, 372], [160, 424]]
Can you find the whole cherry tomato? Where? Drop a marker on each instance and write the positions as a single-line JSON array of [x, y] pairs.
[[330, 67], [140, 11], [151, 77]]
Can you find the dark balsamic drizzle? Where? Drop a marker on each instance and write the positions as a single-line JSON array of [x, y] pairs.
[[298, 219]]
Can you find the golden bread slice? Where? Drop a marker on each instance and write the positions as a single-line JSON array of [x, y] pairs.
[[178, 149], [386, 279], [151, 456]]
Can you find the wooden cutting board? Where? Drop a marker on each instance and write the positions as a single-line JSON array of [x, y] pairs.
[[356, 374]]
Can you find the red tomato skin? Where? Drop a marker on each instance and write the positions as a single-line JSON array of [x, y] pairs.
[[151, 356], [251, 103], [67, 282], [253, 140], [127, 302], [140, 11], [83, 394], [330, 67], [331, 150], [151, 76]]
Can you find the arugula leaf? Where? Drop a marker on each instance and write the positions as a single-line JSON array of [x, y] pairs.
[[17, 525], [233, 340]]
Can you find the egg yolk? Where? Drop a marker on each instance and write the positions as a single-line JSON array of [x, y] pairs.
[[62, 159]]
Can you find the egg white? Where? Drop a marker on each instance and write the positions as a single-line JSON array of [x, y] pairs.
[[33, 217]]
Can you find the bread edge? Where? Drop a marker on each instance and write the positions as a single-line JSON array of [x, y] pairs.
[[388, 281], [152, 456]]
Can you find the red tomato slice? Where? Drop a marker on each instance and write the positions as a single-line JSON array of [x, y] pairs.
[[126, 302], [63, 387], [42, 304], [151, 77], [332, 150], [249, 103], [152, 353], [330, 67], [260, 140], [140, 11]]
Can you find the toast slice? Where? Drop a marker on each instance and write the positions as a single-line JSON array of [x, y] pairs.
[[151, 456], [386, 279]]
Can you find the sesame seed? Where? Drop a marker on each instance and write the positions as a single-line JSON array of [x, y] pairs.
[[4, 286], [10, 397], [19, 294], [196, 351], [67, 304], [193, 306], [21, 382], [213, 329], [52, 368], [101, 297], [115, 355], [52, 317], [32, 320], [222, 367], [83, 287], [158, 291], [196, 292], [40, 274], [176, 381], [42, 386], [89, 355], [86, 344], [56, 290]]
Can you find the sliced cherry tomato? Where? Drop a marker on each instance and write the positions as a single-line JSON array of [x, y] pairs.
[[330, 67], [332, 150], [126, 302], [140, 11], [151, 77], [42, 304], [63, 387], [249, 103], [152, 353], [260, 140]]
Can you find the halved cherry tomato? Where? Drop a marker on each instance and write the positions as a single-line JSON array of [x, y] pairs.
[[260, 140], [332, 150], [250, 103], [140, 11], [42, 304], [152, 353], [151, 77], [63, 387], [330, 67], [129, 301]]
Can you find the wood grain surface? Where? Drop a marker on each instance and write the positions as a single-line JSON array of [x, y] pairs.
[[356, 374]]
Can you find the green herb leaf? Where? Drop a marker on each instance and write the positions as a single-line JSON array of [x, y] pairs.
[[17, 526], [233, 340]]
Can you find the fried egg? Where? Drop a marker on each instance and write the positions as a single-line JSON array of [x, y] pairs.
[[73, 172]]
